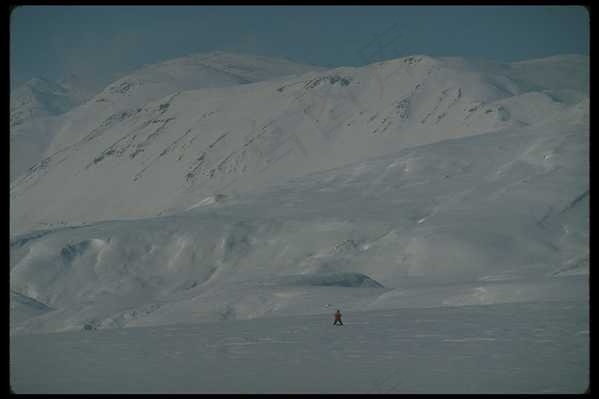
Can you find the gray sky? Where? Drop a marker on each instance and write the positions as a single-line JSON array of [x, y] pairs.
[[101, 42]]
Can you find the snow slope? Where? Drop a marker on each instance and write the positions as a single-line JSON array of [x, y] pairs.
[[35, 101], [152, 82], [34, 108], [41, 97], [490, 218], [169, 154]]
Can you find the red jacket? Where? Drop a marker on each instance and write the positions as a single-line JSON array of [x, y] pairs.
[[338, 316]]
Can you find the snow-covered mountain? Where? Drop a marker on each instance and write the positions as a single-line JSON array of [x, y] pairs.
[[442, 204], [152, 82], [81, 88], [416, 182], [34, 108], [35, 129], [499, 213], [111, 160], [40, 97]]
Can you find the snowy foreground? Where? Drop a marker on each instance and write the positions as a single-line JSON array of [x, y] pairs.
[[506, 348]]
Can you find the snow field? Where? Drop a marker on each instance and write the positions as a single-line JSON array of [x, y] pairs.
[[507, 348]]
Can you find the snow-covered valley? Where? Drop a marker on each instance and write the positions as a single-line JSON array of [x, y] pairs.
[[441, 204]]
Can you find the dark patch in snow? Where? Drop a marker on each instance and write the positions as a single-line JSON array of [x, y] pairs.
[[339, 279], [134, 153], [402, 108], [24, 239], [228, 313], [444, 95], [331, 79], [123, 87], [70, 252], [575, 201], [219, 138], [412, 60], [27, 300]]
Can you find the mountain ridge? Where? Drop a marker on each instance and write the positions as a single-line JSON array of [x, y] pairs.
[[31, 138], [201, 142]]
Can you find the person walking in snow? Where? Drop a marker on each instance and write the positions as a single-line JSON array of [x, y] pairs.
[[338, 318]]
